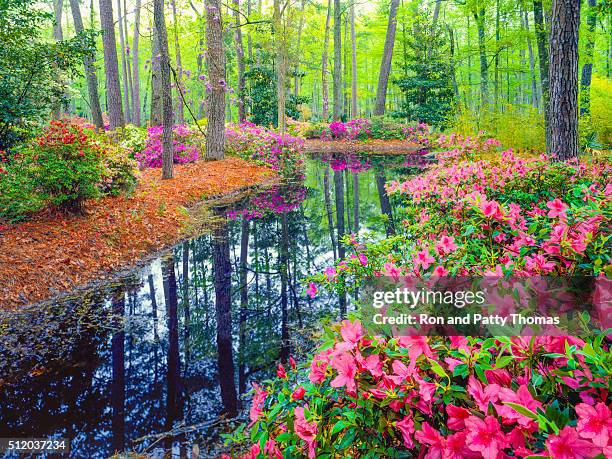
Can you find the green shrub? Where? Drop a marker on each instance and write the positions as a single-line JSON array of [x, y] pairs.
[[64, 165], [120, 172], [382, 128], [134, 138], [17, 194]]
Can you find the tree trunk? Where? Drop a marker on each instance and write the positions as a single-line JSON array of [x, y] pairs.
[[328, 211], [174, 363], [587, 68], [324, 85], [281, 64], [223, 305], [186, 305], [244, 304], [356, 202], [283, 269], [215, 58], [385, 205], [338, 60], [111, 65], [339, 190], [156, 88], [479, 16], [58, 35], [135, 67], [451, 40], [180, 110], [387, 60], [563, 75], [541, 40], [239, 62], [534, 91], [118, 383], [497, 51], [124, 72], [90, 70], [296, 84], [354, 113], [166, 90]]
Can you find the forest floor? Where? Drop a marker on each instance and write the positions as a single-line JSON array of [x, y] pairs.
[[52, 254], [388, 147]]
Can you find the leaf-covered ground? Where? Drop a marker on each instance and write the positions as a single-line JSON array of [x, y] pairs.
[[52, 254]]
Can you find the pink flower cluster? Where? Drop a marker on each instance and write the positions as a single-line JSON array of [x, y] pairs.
[[351, 130], [274, 201], [183, 140], [459, 147], [405, 384]]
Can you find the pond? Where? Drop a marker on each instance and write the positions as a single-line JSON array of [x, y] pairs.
[[117, 366]]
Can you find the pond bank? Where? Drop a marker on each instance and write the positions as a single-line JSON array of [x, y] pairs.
[[381, 147], [52, 254]]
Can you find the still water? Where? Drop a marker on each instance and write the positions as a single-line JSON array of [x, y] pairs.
[[156, 361]]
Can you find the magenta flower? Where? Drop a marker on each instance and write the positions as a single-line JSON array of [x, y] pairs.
[[318, 368], [406, 427], [344, 364], [568, 445], [257, 404], [351, 332], [557, 209], [594, 423], [311, 291], [484, 436], [307, 431], [424, 259]]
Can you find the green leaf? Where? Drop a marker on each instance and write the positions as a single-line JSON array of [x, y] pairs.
[[522, 410], [338, 426], [347, 439]]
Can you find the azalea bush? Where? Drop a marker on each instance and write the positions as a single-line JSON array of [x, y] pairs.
[[120, 170], [276, 200], [281, 152], [186, 142], [520, 217], [455, 397], [65, 165]]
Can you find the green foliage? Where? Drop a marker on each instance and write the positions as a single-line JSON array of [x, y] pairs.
[[601, 110], [32, 70], [385, 129], [427, 86], [261, 95], [120, 172], [17, 194], [134, 138], [65, 165]]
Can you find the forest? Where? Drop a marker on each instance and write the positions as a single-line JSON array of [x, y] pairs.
[[306, 228]]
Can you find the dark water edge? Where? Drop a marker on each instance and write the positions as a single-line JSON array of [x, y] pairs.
[[166, 346]]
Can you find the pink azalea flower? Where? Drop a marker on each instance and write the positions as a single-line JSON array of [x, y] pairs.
[[363, 259], [432, 438], [490, 209], [280, 371], [481, 396], [318, 367], [594, 422], [351, 332], [456, 416], [307, 431], [424, 259], [446, 245], [344, 364], [406, 427], [257, 404], [568, 445], [272, 450], [373, 364], [392, 271], [331, 273], [440, 271], [484, 436], [557, 209], [311, 291]]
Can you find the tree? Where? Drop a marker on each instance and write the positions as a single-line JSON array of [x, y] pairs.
[[124, 68], [324, 59], [563, 75], [111, 65], [135, 66], [338, 60], [479, 12], [428, 87], [90, 69], [239, 61], [353, 63], [179, 68], [542, 44], [587, 68], [156, 91], [387, 60], [28, 68], [215, 57], [166, 90]]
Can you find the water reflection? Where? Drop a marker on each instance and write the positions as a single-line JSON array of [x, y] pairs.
[[176, 344]]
